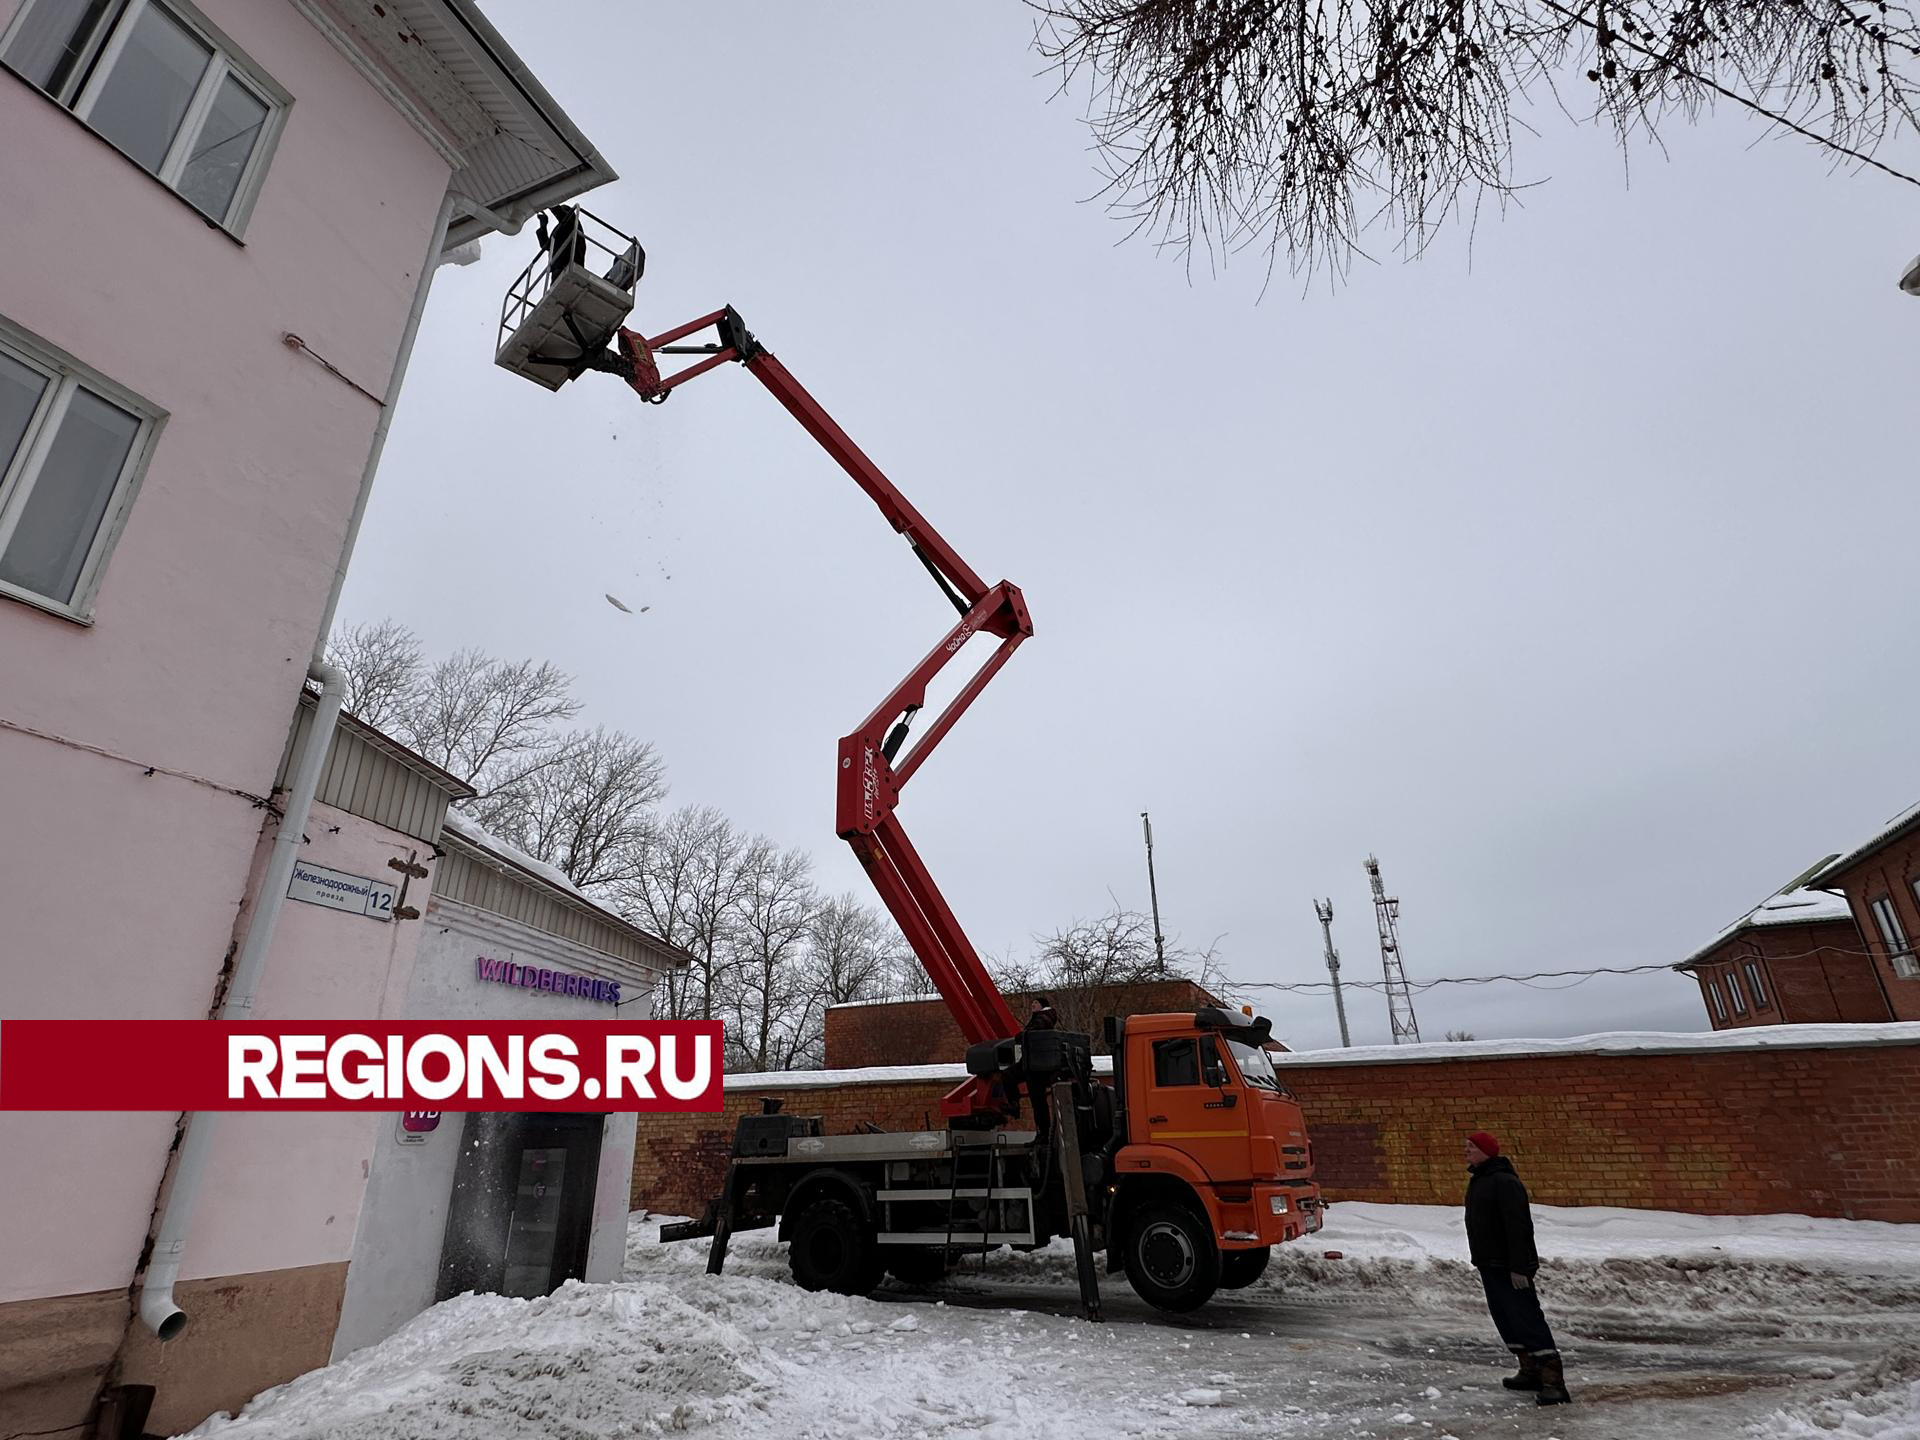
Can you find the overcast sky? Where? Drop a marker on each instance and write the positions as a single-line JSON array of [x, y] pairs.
[[1571, 571]]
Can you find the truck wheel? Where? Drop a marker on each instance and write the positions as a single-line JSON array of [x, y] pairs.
[[1171, 1258], [1240, 1268], [917, 1265], [830, 1249]]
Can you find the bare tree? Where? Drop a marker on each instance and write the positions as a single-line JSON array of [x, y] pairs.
[[770, 1007], [908, 977], [384, 670], [720, 876], [660, 893], [1075, 965], [490, 721], [586, 808], [855, 951], [1297, 125], [664, 896]]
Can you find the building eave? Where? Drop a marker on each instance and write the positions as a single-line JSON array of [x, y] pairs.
[[1707, 954], [1906, 823], [442, 65], [671, 957]]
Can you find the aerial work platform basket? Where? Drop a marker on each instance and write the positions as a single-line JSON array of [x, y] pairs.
[[570, 300]]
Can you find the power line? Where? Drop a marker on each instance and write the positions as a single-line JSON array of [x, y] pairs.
[[1321, 986]]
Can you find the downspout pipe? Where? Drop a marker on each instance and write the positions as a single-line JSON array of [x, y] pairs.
[[156, 1306], [158, 1311]]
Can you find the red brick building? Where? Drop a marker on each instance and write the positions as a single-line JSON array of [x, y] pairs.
[[923, 1032], [1881, 882], [1794, 959]]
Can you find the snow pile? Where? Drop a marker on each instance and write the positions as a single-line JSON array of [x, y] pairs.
[[673, 1350], [1882, 1402], [586, 1360], [1388, 1341], [1639, 1271]]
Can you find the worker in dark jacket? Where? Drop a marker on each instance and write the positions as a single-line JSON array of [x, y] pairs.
[[1500, 1244], [1040, 1016]]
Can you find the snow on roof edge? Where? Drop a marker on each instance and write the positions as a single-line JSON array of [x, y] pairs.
[[1886, 833], [1803, 905], [1614, 1042], [1622, 1042], [539, 872]]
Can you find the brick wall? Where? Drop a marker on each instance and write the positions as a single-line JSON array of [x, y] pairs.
[[1821, 1125], [923, 1032], [1814, 974], [1736, 1131], [1892, 871]]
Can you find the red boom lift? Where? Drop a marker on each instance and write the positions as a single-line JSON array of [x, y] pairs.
[[1185, 1209]]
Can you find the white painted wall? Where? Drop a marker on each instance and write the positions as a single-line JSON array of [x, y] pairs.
[[396, 1251]]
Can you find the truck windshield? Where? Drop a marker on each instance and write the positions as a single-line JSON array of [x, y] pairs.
[[1255, 1068]]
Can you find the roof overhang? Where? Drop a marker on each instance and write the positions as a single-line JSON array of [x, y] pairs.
[[1898, 828], [465, 836], [443, 66], [1709, 953]]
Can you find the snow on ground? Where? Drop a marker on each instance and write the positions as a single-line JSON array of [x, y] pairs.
[[1747, 1328]]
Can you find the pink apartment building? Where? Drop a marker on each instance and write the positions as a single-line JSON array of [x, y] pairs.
[[218, 223]]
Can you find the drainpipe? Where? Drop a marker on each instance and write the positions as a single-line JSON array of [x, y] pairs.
[[157, 1308]]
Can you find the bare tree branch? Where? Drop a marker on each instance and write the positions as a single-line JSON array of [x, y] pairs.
[[586, 808], [483, 718], [384, 670], [1296, 126]]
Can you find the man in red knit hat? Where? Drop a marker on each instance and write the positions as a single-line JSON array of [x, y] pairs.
[[1500, 1244]]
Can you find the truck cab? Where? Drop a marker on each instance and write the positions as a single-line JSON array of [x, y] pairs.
[[1211, 1166]]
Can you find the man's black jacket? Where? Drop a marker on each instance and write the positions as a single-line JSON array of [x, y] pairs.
[[1499, 1224]]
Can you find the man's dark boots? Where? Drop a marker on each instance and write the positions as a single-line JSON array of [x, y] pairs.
[[1553, 1380], [1529, 1376]]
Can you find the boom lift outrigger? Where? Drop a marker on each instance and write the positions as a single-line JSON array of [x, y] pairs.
[[1190, 1198]]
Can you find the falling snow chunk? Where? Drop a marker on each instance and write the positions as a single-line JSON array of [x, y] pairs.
[[1432, 1392], [1202, 1397], [1405, 1417], [905, 1322]]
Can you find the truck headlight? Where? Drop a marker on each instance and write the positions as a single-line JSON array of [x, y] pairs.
[[1277, 1203]]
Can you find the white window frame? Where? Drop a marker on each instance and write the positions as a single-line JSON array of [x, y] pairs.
[[1735, 992], [226, 60], [67, 375], [1756, 984], [1893, 937], [1715, 1002]]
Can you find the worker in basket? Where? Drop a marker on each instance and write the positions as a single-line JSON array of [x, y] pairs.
[[1040, 1016]]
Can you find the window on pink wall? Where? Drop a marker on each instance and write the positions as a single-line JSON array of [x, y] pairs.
[[158, 82], [72, 446]]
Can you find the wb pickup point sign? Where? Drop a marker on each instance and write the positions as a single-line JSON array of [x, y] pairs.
[[586, 1065]]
